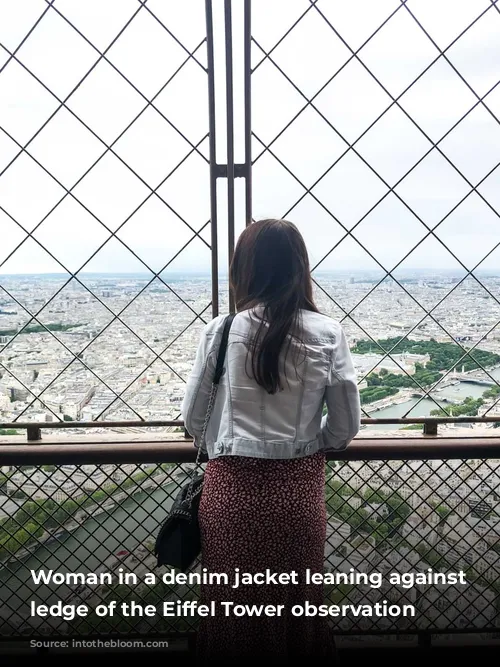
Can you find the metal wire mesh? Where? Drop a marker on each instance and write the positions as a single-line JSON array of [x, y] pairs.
[[85, 190], [338, 40], [388, 517], [344, 96]]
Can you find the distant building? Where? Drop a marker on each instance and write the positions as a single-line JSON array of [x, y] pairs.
[[18, 393], [480, 508], [337, 536], [377, 511], [353, 501], [416, 530], [9, 506]]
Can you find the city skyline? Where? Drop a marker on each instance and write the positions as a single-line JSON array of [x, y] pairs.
[[425, 271]]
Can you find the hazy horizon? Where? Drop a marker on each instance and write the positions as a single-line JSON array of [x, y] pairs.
[[428, 272]]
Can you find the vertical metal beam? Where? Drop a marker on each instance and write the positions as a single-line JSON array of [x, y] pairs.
[[430, 428], [228, 171], [34, 433], [230, 135], [212, 156], [248, 111]]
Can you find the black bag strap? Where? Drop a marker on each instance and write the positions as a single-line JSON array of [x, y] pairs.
[[221, 354], [222, 349]]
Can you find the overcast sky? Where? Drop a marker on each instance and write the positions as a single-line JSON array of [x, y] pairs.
[[148, 56]]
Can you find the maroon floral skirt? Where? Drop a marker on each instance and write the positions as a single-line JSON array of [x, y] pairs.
[[258, 515]]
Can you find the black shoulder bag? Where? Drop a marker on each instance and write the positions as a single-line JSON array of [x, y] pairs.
[[178, 543]]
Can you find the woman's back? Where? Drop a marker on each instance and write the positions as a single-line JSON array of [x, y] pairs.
[[263, 500], [316, 368]]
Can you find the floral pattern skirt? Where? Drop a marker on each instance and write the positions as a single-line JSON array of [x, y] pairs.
[[258, 515]]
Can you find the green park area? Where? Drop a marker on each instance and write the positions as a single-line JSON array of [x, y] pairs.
[[442, 358], [39, 328]]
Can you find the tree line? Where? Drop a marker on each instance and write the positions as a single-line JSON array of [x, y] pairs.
[[442, 358]]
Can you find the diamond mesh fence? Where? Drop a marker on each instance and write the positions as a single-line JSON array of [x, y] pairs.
[[391, 524], [97, 160], [380, 146]]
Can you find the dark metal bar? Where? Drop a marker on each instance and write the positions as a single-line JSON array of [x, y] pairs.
[[432, 420], [430, 428], [178, 422], [212, 154], [248, 109], [180, 451], [34, 433], [229, 135], [26, 36], [239, 170], [93, 424]]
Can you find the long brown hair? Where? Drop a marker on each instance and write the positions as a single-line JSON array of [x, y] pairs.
[[270, 268]]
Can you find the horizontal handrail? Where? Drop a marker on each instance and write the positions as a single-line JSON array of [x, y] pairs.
[[94, 424], [430, 424], [159, 423], [182, 451]]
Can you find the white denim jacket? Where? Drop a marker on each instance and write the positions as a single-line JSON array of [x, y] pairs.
[[247, 421]]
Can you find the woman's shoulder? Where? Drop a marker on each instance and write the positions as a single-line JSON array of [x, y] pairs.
[[214, 326], [319, 326], [315, 326]]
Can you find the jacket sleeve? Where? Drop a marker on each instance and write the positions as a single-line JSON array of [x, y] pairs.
[[343, 417], [199, 383]]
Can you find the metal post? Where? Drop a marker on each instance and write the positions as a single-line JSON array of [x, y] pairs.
[[248, 112], [430, 428], [230, 170], [34, 433], [212, 154], [230, 135]]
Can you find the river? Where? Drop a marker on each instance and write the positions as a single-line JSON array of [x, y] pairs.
[[127, 526], [424, 407]]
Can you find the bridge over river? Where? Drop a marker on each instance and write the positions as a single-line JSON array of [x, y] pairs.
[[475, 379]]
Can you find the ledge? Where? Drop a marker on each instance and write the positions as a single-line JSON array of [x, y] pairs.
[[183, 451]]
